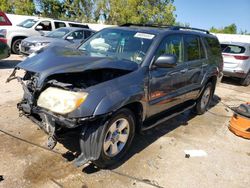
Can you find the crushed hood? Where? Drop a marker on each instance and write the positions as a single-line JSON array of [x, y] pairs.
[[56, 60]]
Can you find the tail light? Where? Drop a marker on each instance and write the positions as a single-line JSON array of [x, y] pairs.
[[241, 57], [3, 40]]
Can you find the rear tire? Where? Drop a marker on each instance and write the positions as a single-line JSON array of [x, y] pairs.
[[246, 81], [115, 141], [15, 46], [205, 99]]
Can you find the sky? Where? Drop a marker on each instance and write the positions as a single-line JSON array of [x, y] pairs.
[[218, 13]]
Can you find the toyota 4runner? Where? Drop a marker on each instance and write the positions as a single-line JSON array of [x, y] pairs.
[[119, 81]]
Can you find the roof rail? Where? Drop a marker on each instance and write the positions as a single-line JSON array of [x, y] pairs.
[[189, 28], [171, 27], [145, 25]]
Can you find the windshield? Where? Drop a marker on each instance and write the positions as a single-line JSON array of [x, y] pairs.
[[118, 43], [27, 23], [59, 33]]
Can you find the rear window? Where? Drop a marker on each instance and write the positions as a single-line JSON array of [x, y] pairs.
[[232, 49]]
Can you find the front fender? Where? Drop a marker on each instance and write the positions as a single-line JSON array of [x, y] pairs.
[[120, 98]]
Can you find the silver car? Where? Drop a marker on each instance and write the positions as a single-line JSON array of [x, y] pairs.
[[65, 36], [236, 58]]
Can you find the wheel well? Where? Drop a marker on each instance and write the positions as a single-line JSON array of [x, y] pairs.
[[17, 37], [213, 80], [137, 109]]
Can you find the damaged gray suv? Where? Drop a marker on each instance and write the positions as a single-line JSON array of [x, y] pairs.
[[121, 80]]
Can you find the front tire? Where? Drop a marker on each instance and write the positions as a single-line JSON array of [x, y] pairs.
[[117, 138], [15, 46], [205, 99]]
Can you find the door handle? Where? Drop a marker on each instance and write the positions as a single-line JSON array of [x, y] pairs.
[[183, 71]]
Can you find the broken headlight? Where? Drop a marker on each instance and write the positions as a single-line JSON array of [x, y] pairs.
[[61, 101]]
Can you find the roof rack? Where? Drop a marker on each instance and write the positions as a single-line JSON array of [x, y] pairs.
[[170, 27], [145, 25], [189, 28]]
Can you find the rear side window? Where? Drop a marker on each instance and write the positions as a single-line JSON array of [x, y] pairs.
[[194, 49], [214, 46], [59, 24], [233, 49]]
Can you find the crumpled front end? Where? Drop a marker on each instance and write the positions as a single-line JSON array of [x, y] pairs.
[[38, 104]]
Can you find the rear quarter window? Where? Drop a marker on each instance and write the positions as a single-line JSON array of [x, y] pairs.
[[78, 25], [214, 46]]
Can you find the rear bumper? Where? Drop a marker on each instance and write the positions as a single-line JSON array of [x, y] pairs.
[[234, 74]]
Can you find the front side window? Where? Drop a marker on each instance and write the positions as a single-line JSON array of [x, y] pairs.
[[46, 25], [119, 43], [27, 23], [172, 45], [77, 35]]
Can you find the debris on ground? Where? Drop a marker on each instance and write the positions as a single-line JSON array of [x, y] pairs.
[[240, 121], [195, 153], [1, 178]]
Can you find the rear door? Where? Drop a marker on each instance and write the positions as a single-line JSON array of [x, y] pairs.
[[195, 58], [167, 85]]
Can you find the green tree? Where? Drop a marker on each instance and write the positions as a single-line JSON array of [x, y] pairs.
[[230, 29], [79, 10], [137, 11], [25, 7], [50, 8], [6, 6]]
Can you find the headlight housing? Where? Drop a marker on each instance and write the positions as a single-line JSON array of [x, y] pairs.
[[61, 101]]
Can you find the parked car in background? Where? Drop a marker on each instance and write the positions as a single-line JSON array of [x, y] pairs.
[[65, 36], [33, 27], [121, 80], [4, 20], [4, 50], [236, 58]]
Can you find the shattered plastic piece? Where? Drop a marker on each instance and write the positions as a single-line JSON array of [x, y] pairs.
[[51, 142], [195, 153]]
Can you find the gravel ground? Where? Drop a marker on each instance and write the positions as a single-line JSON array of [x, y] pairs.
[[157, 158]]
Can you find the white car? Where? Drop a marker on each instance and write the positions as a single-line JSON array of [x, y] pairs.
[[236, 57], [32, 27]]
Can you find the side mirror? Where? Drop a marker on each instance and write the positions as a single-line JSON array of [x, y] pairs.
[[166, 61], [39, 27], [69, 38]]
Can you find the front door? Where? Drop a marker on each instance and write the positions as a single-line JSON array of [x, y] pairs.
[[167, 85]]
